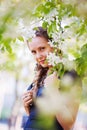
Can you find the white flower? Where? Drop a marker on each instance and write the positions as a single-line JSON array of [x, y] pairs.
[[26, 32], [50, 16], [57, 36], [51, 43], [53, 59]]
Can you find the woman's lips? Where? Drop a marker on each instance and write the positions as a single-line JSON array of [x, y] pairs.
[[42, 61]]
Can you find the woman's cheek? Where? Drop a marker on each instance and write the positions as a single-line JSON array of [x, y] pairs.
[[46, 53]]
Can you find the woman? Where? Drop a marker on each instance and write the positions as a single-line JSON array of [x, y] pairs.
[[40, 48]]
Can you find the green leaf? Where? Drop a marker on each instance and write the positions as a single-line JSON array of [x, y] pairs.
[[21, 38], [44, 24], [81, 66], [67, 26], [7, 44], [84, 50], [51, 28], [9, 49]]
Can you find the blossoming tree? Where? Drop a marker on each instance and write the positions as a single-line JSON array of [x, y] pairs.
[[66, 26], [65, 21]]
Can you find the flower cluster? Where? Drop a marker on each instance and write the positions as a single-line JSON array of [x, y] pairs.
[[27, 32], [51, 16], [64, 40]]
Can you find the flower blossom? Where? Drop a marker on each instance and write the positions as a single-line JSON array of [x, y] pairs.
[[51, 16], [51, 43], [53, 59], [26, 32]]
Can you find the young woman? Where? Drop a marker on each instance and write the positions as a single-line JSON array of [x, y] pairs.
[[64, 118]]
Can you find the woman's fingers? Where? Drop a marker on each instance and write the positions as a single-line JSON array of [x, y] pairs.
[[28, 93], [28, 102], [27, 98]]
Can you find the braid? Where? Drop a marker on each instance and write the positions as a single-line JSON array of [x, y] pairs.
[[40, 75], [41, 72]]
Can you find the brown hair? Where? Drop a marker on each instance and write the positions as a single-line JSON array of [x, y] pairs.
[[40, 72]]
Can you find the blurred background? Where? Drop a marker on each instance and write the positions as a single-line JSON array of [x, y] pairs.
[[16, 62], [13, 82]]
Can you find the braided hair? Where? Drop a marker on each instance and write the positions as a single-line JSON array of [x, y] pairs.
[[41, 72]]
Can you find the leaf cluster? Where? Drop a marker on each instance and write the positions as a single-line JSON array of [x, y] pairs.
[[81, 63]]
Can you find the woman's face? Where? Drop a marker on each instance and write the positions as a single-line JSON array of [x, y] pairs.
[[40, 49]]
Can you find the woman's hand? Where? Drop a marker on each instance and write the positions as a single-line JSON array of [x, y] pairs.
[[27, 100]]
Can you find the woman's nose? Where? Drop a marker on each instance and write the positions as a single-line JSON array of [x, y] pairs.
[[38, 55]]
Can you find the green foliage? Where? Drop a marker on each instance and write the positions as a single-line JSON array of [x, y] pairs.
[[81, 63], [7, 45], [41, 9], [11, 12], [51, 28], [82, 28], [9, 64], [79, 27], [59, 69]]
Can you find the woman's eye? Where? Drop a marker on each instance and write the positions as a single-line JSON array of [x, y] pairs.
[[33, 52], [42, 48]]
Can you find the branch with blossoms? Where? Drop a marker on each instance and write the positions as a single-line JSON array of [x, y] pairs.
[[63, 29]]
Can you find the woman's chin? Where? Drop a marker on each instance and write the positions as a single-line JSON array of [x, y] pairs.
[[44, 65]]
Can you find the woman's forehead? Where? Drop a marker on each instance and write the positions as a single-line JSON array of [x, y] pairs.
[[38, 41]]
